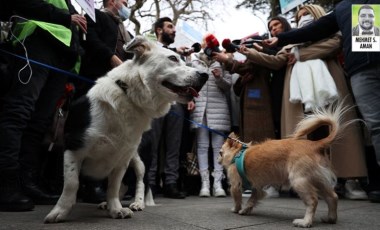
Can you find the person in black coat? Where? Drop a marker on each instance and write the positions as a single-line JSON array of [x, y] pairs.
[[104, 43], [30, 100]]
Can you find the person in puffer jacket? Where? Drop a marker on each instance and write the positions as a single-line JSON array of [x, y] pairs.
[[211, 110]]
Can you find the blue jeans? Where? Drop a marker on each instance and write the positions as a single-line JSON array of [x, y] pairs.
[[366, 89]]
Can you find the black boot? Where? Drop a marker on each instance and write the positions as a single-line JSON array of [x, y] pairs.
[[34, 191], [172, 191], [12, 198]]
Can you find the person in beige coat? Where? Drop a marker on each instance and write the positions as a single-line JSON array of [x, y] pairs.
[[347, 154]]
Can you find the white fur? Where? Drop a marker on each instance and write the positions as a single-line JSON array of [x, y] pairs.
[[118, 120]]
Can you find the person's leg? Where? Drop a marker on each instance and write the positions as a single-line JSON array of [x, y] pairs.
[[203, 143], [155, 135], [31, 151], [217, 142], [365, 87], [18, 107], [173, 136]]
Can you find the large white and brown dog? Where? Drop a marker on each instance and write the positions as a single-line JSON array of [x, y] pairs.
[[121, 107], [296, 161]]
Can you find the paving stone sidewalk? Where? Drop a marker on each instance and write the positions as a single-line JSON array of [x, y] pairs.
[[200, 213]]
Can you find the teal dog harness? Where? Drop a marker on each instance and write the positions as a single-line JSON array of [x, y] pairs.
[[239, 162]]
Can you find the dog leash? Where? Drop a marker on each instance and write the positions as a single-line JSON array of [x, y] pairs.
[[208, 128], [118, 83], [50, 67]]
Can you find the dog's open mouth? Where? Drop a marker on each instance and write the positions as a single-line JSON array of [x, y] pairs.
[[181, 90]]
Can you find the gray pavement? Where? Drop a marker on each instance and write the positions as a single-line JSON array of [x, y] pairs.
[[200, 213]]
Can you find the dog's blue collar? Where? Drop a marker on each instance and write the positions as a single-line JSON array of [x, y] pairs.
[[239, 162]]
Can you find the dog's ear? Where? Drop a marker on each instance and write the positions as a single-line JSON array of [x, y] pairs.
[[139, 45], [232, 140], [232, 135]]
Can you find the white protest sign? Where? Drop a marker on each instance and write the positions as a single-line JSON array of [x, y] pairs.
[[89, 7]]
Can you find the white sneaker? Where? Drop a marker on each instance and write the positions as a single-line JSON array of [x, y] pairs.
[[272, 192], [205, 192], [219, 192], [247, 193], [354, 190]]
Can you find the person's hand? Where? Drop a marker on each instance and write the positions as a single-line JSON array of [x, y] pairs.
[[182, 50], [191, 106], [115, 61], [80, 21], [220, 57], [258, 47], [217, 73], [270, 41], [243, 50], [291, 58]]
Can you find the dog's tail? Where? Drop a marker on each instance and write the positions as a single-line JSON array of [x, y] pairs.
[[331, 116]]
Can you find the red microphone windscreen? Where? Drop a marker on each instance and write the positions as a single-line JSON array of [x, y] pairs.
[[211, 41], [226, 43]]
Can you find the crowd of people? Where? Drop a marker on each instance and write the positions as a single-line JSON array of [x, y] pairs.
[[275, 86]]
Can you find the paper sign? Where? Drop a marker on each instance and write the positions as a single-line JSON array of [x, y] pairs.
[[89, 7]]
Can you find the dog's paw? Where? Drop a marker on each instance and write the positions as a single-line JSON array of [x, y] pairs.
[[103, 205], [302, 223], [56, 215], [328, 220], [137, 206], [121, 213], [245, 211]]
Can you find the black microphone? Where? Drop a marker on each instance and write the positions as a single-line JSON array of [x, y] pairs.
[[195, 48], [252, 40], [231, 47], [256, 39]]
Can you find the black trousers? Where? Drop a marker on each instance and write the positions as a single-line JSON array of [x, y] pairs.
[[169, 130], [28, 107]]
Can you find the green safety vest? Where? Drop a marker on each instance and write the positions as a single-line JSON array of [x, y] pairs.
[[60, 32]]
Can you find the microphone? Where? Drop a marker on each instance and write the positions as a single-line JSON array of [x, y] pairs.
[[195, 48], [231, 47], [212, 45], [248, 41], [253, 40], [211, 41]]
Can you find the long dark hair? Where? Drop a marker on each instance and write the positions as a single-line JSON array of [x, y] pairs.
[[285, 24]]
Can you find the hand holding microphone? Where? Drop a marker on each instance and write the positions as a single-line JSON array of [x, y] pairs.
[[195, 48], [271, 41], [231, 47], [212, 45]]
